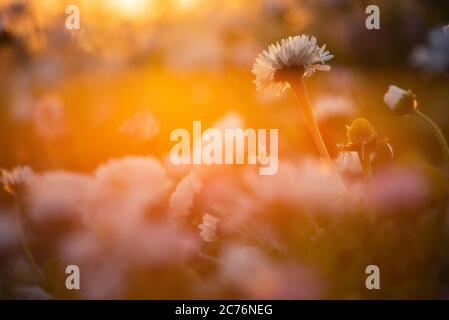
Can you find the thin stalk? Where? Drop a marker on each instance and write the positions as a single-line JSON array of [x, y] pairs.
[[25, 247], [365, 161], [302, 96], [437, 133]]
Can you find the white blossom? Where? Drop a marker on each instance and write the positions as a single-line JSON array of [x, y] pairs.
[[298, 51]]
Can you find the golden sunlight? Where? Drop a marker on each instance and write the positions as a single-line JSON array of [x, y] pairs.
[[130, 8]]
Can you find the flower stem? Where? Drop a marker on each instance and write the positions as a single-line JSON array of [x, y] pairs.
[[302, 96], [25, 247], [366, 168], [437, 133], [303, 99]]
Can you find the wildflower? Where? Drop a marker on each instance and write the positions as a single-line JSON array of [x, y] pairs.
[[404, 102], [57, 195], [400, 101], [304, 184], [400, 188], [209, 228], [181, 200], [142, 126], [284, 66], [250, 271], [364, 139], [15, 180], [362, 136], [295, 56], [123, 189]]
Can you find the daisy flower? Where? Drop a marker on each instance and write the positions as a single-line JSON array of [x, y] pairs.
[[295, 56], [403, 102], [285, 65], [364, 139], [400, 101]]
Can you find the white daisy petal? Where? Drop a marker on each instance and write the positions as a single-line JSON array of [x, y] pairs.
[[290, 52]]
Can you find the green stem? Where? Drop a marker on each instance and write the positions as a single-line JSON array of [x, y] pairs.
[[437, 133], [25, 247]]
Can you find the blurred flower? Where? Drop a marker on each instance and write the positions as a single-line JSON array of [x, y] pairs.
[[142, 126], [295, 56], [329, 106], [108, 263], [15, 180], [434, 58], [250, 271], [181, 200], [49, 117], [400, 101], [208, 228], [305, 184], [400, 188], [241, 263], [56, 195], [122, 190], [224, 197]]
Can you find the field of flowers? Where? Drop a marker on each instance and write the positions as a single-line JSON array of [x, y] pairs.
[[87, 179]]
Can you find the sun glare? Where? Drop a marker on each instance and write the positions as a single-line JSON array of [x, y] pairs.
[[130, 8]]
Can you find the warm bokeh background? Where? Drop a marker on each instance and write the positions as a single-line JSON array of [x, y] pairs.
[[64, 95], [191, 59]]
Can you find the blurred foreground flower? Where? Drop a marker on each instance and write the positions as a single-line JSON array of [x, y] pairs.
[[400, 188], [181, 200], [248, 270], [305, 184], [122, 190], [403, 102], [56, 195]]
